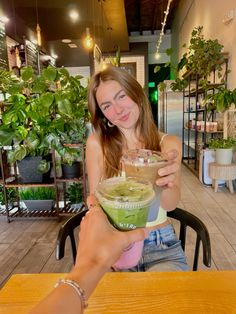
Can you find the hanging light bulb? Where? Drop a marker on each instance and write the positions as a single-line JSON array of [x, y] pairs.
[[88, 41], [38, 32]]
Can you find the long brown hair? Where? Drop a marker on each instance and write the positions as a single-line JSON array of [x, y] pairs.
[[112, 138]]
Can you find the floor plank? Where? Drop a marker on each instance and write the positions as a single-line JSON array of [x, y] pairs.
[[28, 246]]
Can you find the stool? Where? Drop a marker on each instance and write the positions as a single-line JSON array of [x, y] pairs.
[[222, 172]]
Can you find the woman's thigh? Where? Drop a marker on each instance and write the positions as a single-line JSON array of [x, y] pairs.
[[163, 252]]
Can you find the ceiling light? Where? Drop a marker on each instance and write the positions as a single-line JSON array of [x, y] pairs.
[[66, 41], [39, 38], [74, 15], [72, 45], [88, 41]]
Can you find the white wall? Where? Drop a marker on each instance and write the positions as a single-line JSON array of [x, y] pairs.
[[209, 14], [83, 71]]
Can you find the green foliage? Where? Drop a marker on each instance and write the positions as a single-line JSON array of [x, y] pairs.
[[179, 84], [42, 112], [221, 100], [37, 193], [74, 193], [222, 143], [202, 57], [70, 155], [11, 195]]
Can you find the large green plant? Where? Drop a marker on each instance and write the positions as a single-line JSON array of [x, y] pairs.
[[201, 58], [42, 112]]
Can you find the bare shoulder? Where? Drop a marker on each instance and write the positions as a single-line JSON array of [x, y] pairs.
[[93, 143]]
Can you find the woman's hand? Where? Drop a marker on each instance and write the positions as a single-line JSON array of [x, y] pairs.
[[170, 172], [99, 242]]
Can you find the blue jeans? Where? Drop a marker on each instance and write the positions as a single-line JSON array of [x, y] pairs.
[[162, 252]]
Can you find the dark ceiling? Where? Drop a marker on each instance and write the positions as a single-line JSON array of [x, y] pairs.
[[147, 15], [110, 22]]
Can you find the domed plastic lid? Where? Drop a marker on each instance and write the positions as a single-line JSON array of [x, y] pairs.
[[128, 192], [143, 157]]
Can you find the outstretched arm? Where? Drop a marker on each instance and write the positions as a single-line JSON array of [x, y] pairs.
[[97, 252]]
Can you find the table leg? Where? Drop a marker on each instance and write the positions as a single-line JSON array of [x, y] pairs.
[[231, 188], [215, 185]]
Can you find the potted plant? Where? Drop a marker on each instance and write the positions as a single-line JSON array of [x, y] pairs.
[[70, 163], [201, 58], [42, 113], [74, 194], [11, 195], [222, 100], [223, 149], [38, 198]]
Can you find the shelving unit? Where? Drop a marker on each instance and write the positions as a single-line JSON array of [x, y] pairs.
[[195, 136], [13, 180]]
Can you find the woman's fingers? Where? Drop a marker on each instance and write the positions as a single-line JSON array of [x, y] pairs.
[[137, 235]]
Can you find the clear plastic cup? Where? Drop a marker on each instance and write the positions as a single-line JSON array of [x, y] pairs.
[[126, 202], [143, 163]]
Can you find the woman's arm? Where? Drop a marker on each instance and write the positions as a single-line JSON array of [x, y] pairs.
[[94, 162], [170, 196], [100, 246]]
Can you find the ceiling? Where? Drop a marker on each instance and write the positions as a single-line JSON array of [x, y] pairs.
[[110, 22]]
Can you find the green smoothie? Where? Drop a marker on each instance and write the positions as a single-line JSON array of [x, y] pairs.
[[126, 201]]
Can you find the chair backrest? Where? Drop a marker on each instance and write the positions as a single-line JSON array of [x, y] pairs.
[[187, 219], [67, 230]]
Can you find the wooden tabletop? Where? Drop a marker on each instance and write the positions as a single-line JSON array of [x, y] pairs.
[[134, 293]]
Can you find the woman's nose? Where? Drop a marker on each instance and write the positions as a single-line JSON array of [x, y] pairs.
[[117, 108]]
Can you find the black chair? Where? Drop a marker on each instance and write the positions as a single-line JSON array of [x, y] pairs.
[[185, 218], [67, 230]]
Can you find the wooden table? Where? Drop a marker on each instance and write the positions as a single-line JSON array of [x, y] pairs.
[[137, 293]]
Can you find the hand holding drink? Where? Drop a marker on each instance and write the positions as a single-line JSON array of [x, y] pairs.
[[145, 164], [126, 202]]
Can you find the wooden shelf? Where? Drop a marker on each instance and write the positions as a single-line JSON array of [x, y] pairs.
[[18, 183], [69, 180], [15, 213]]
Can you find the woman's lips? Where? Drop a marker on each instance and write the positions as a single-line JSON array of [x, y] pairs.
[[124, 118]]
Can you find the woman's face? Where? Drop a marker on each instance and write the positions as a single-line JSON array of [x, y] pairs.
[[116, 106]]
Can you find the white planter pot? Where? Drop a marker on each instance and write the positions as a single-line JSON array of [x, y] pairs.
[[224, 156]]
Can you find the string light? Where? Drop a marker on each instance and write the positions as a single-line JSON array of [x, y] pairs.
[[166, 12]]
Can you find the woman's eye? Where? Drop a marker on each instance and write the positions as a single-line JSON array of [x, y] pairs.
[[105, 107], [122, 96]]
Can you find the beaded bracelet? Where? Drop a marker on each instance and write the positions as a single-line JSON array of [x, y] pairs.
[[77, 288]]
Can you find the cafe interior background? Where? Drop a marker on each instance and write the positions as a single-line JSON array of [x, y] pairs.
[[85, 36]]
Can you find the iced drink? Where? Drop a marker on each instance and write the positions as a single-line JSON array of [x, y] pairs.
[[126, 202], [143, 163]]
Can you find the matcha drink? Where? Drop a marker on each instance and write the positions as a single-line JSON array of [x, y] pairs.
[[126, 201], [143, 163]]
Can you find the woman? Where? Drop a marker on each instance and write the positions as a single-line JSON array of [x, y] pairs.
[[122, 120]]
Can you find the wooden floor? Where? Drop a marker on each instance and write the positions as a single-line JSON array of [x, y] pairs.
[[28, 246]]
